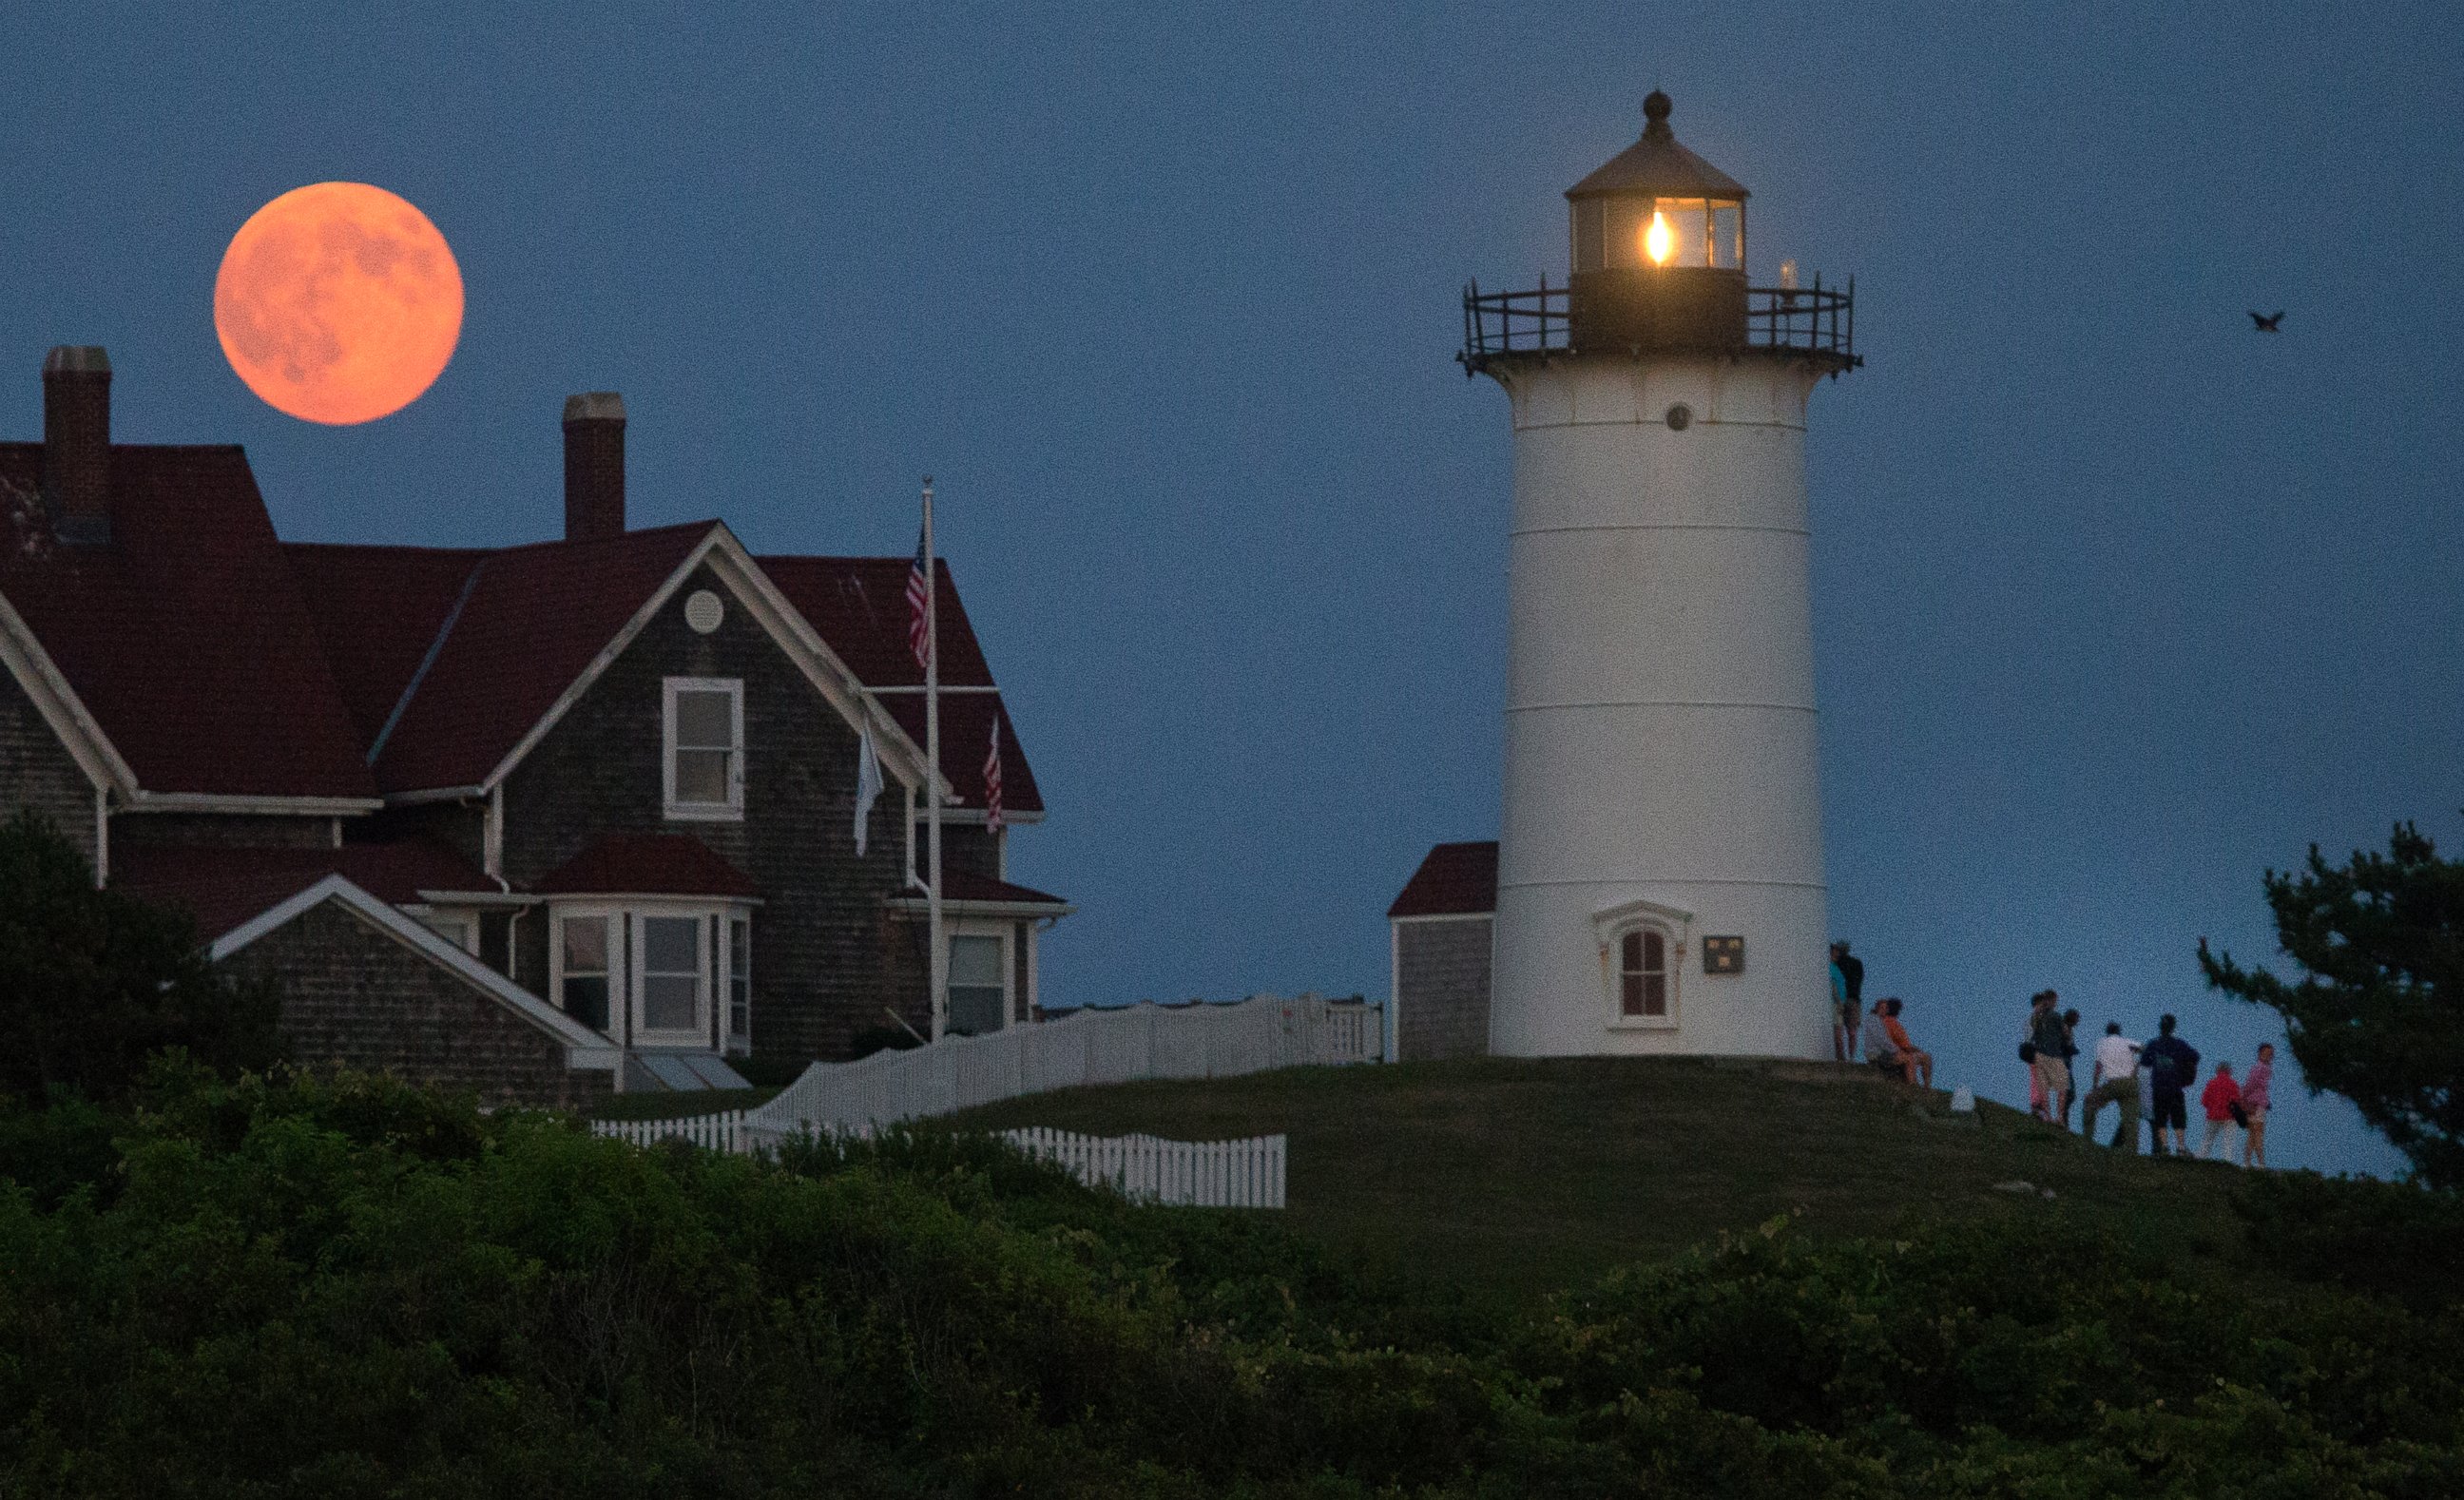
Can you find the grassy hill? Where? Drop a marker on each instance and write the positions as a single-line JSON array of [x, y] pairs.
[[1519, 1178]]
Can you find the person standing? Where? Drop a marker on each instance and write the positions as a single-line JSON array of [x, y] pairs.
[[1847, 1000], [2115, 1081], [2046, 1033], [2255, 1087], [2070, 1069], [2172, 1067], [2221, 1099]]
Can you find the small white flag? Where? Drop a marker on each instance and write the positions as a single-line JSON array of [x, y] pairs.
[[867, 785]]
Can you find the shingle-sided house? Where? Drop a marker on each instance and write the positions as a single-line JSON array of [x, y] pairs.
[[540, 821]]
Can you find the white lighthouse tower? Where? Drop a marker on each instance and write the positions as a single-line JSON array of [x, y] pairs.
[[1659, 865]]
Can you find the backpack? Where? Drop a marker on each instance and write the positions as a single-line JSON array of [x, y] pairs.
[[2164, 1067], [2027, 1052]]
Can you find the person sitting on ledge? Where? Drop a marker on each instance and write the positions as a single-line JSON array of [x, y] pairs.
[[1879, 1049], [1912, 1059]]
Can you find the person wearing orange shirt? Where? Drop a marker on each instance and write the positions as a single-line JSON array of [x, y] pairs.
[[1912, 1060]]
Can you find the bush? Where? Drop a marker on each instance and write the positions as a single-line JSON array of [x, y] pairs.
[[93, 983], [2393, 1239], [304, 1286]]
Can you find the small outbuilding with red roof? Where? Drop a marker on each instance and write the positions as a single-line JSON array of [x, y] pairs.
[[1442, 924]]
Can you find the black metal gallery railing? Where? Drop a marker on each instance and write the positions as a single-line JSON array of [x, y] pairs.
[[1817, 319]]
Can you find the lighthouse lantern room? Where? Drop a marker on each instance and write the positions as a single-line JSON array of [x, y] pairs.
[[1660, 884]]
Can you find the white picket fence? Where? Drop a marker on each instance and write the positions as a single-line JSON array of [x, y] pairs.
[[1090, 1047], [711, 1131], [1203, 1174]]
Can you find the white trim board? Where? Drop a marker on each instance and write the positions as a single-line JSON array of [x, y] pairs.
[[584, 1048], [22, 652]]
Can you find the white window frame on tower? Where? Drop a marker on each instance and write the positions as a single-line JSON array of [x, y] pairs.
[[1674, 926], [732, 810]]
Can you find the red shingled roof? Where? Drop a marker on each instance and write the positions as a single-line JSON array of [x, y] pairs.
[[1454, 880], [533, 622], [646, 863], [960, 885], [377, 610], [218, 659], [859, 606], [222, 887], [186, 636]]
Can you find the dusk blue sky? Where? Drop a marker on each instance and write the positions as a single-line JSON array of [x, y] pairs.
[[2117, 603]]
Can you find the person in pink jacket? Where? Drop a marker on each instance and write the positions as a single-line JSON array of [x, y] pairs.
[[2222, 1098], [2254, 1086]]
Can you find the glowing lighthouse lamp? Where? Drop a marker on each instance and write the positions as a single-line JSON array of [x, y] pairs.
[[1660, 863]]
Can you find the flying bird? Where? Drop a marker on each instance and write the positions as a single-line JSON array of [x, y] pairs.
[[2268, 323]]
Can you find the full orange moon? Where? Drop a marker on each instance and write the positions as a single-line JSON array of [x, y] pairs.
[[339, 302]]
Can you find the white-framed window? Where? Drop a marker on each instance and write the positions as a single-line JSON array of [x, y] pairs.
[[655, 973], [739, 984], [671, 984], [702, 770], [585, 953], [461, 929], [1642, 946], [978, 977]]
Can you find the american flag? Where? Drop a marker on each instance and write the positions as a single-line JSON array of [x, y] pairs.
[[993, 819], [919, 608]]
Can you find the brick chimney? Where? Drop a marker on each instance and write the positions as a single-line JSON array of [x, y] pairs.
[[76, 442], [594, 465]]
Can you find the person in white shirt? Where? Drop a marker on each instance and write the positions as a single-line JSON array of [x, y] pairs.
[[2117, 1082]]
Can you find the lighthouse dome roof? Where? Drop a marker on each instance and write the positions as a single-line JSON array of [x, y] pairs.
[[1658, 167]]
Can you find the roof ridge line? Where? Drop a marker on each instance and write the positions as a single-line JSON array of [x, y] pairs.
[[435, 648]]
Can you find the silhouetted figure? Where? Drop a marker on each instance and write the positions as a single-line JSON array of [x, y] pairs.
[[2172, 1066], [2268, 323]]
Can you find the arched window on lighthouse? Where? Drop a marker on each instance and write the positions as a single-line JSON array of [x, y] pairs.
[[1643, 949]]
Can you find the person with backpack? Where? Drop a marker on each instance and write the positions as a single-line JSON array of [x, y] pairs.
[[2048, 1039], [2172, 1067]]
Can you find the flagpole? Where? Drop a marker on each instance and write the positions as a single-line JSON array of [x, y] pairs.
[[940, 968]]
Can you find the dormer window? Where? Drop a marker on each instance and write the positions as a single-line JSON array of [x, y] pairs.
[[704, 762]]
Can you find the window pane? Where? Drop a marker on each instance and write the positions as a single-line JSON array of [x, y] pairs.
[[1631, 953], [1630, 993], [975, 1009], [975, 960], [1654, 956], [739, 947], [706, 720], [1655, 994], [585, 944], [456, 930], [671, 945], [668, 1002], [586, 1000], [701, 777]]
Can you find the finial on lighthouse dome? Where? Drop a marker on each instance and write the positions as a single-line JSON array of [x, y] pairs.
[[1655, 113]]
